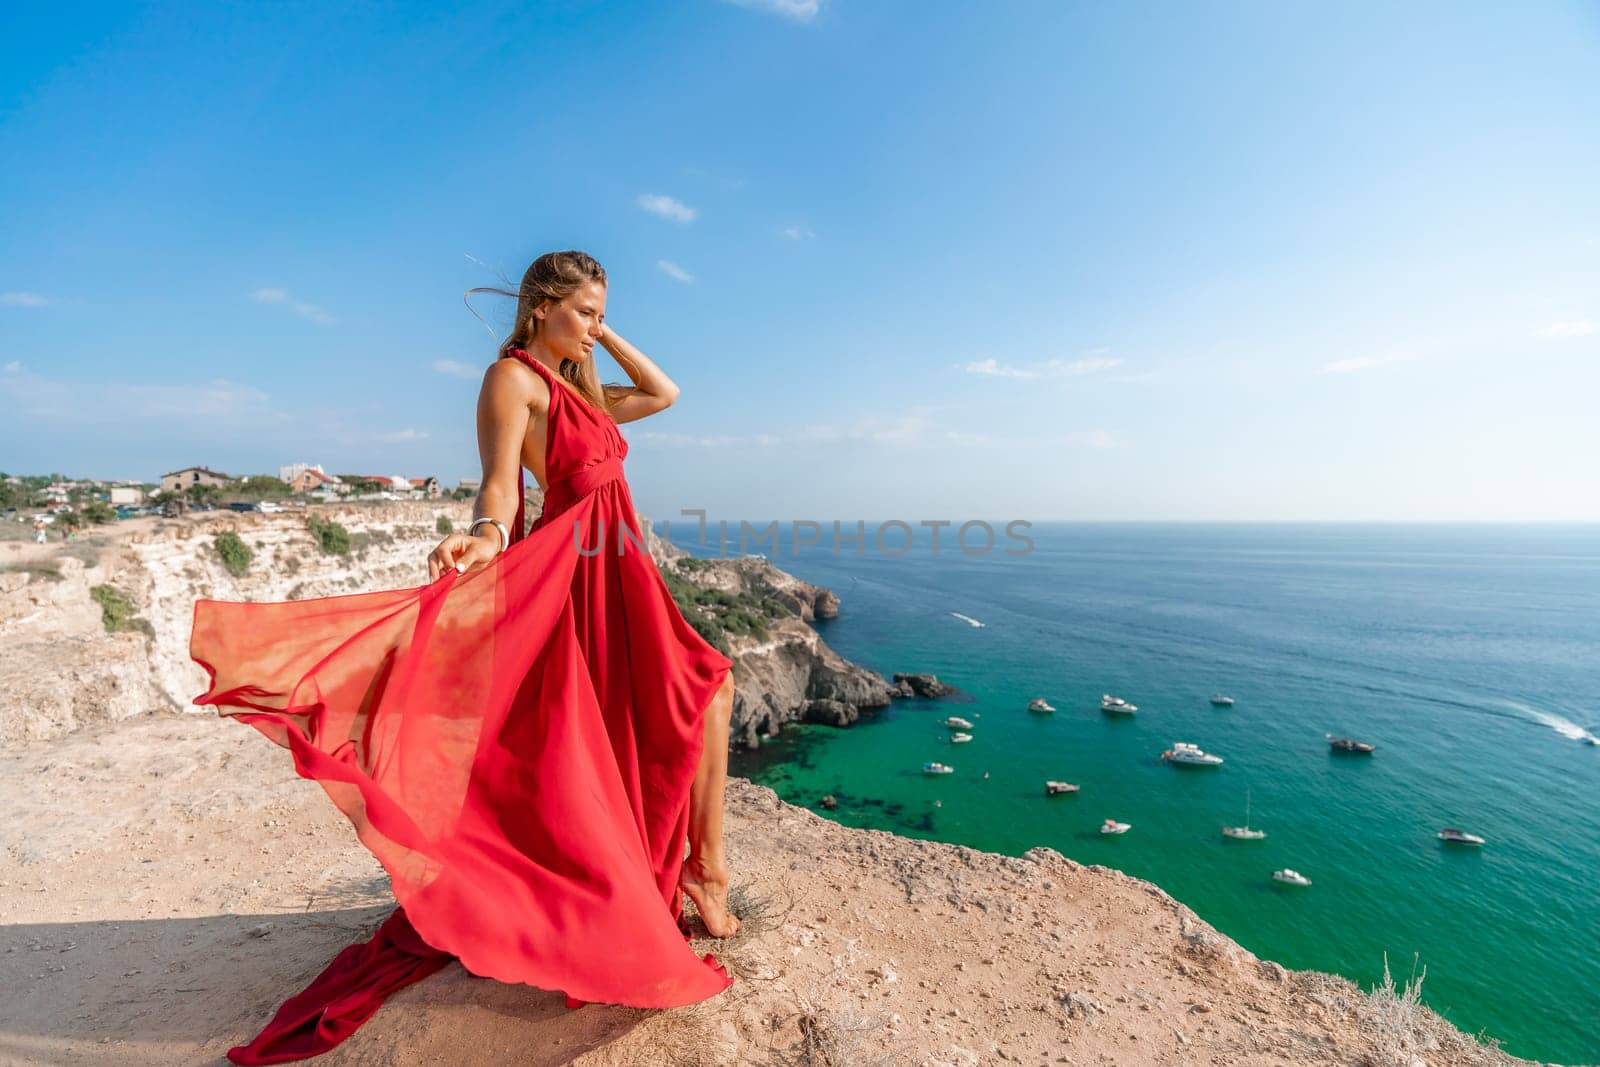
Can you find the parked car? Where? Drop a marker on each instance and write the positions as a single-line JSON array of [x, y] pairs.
[[244, 505], [270, 506]]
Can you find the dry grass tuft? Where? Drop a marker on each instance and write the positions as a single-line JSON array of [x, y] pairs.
[[1402, 1029]]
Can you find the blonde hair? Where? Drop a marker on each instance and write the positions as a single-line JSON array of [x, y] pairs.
[[555, 276]]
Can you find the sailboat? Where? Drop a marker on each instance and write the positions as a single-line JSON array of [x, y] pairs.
[[1244, 833]]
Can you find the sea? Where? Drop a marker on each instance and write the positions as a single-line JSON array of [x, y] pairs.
[[1469, 655]]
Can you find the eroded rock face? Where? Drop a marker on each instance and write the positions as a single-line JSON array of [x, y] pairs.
[[790, 675], [922, 685], [65, 671]]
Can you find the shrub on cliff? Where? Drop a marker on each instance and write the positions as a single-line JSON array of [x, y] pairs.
[[116, 611], [234, 552], [715, 614], [444, 525], [331, 537]]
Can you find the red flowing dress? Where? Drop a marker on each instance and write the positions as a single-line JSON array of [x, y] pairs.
[[515, 745]]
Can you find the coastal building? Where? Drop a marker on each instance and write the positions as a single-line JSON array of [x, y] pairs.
[[292, 471], [127, 494], [471, 485], [179, 481], [428, 487], [314, 479]]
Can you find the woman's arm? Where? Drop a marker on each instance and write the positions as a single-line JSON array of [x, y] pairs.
[[506, 403], [505, 406], [652, 390]]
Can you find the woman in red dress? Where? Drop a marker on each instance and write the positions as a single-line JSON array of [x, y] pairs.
[[526, 742]]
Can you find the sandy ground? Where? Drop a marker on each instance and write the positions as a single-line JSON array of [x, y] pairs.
[[166, 881]]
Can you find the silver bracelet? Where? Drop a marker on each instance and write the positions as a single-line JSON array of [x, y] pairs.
[[505, 537]]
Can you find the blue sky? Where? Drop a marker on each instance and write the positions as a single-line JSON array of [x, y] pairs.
[[906, 260]]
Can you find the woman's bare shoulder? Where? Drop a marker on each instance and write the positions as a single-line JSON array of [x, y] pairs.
[[510, 381]]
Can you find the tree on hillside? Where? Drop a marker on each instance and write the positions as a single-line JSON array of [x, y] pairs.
[[204, 494], [259, 486]]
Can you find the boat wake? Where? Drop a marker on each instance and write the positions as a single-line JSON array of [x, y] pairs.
[[968, 619], [1561, 725]]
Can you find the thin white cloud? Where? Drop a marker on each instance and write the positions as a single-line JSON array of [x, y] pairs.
[[796, 233], [456, 369], [914, 426], [299, 307], [968, 437], [1090, 439], [1050, 368], [402, 436], [1360, 363], [1569, 328], [675, 272], [667, 207], [68, 402], [691, 440], [798, 10], [23, 300]]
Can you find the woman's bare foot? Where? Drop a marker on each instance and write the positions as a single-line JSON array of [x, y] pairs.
[[707, 886]]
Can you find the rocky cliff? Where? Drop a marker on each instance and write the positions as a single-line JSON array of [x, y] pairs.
[[64, 670]]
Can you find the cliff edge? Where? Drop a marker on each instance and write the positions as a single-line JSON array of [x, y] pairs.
[[166, 881]]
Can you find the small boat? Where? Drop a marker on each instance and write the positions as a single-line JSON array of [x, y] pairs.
[[1040, 704], [1244, 833], [1053, 788], [1112, 826], [1350, 744], [957, 723], [1459, 837], [933, 767], [960, 739], [1190, 755], [1221, 700], [1116, 705], [1291, 877]]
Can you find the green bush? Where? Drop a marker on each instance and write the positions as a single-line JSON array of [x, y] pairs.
[[116, 611], [331, 537], [714, 614], [444, 525], [234, 552]]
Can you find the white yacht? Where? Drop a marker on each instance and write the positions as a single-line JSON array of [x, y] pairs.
[[1054, 788], [1116, 705], [957, 723], [1290, 876], [1459, 837], [1191, 755], [933, 767], [960, 739], [1244, 833], [1040, 704], [1112, 826], [1221, 700]]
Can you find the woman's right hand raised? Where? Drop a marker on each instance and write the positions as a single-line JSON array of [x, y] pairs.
[[462, 552]]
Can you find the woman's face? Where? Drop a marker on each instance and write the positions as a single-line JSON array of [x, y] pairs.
[[571, 328]]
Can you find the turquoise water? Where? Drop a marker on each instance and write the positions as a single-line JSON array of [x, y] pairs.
[[1469, 654]]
